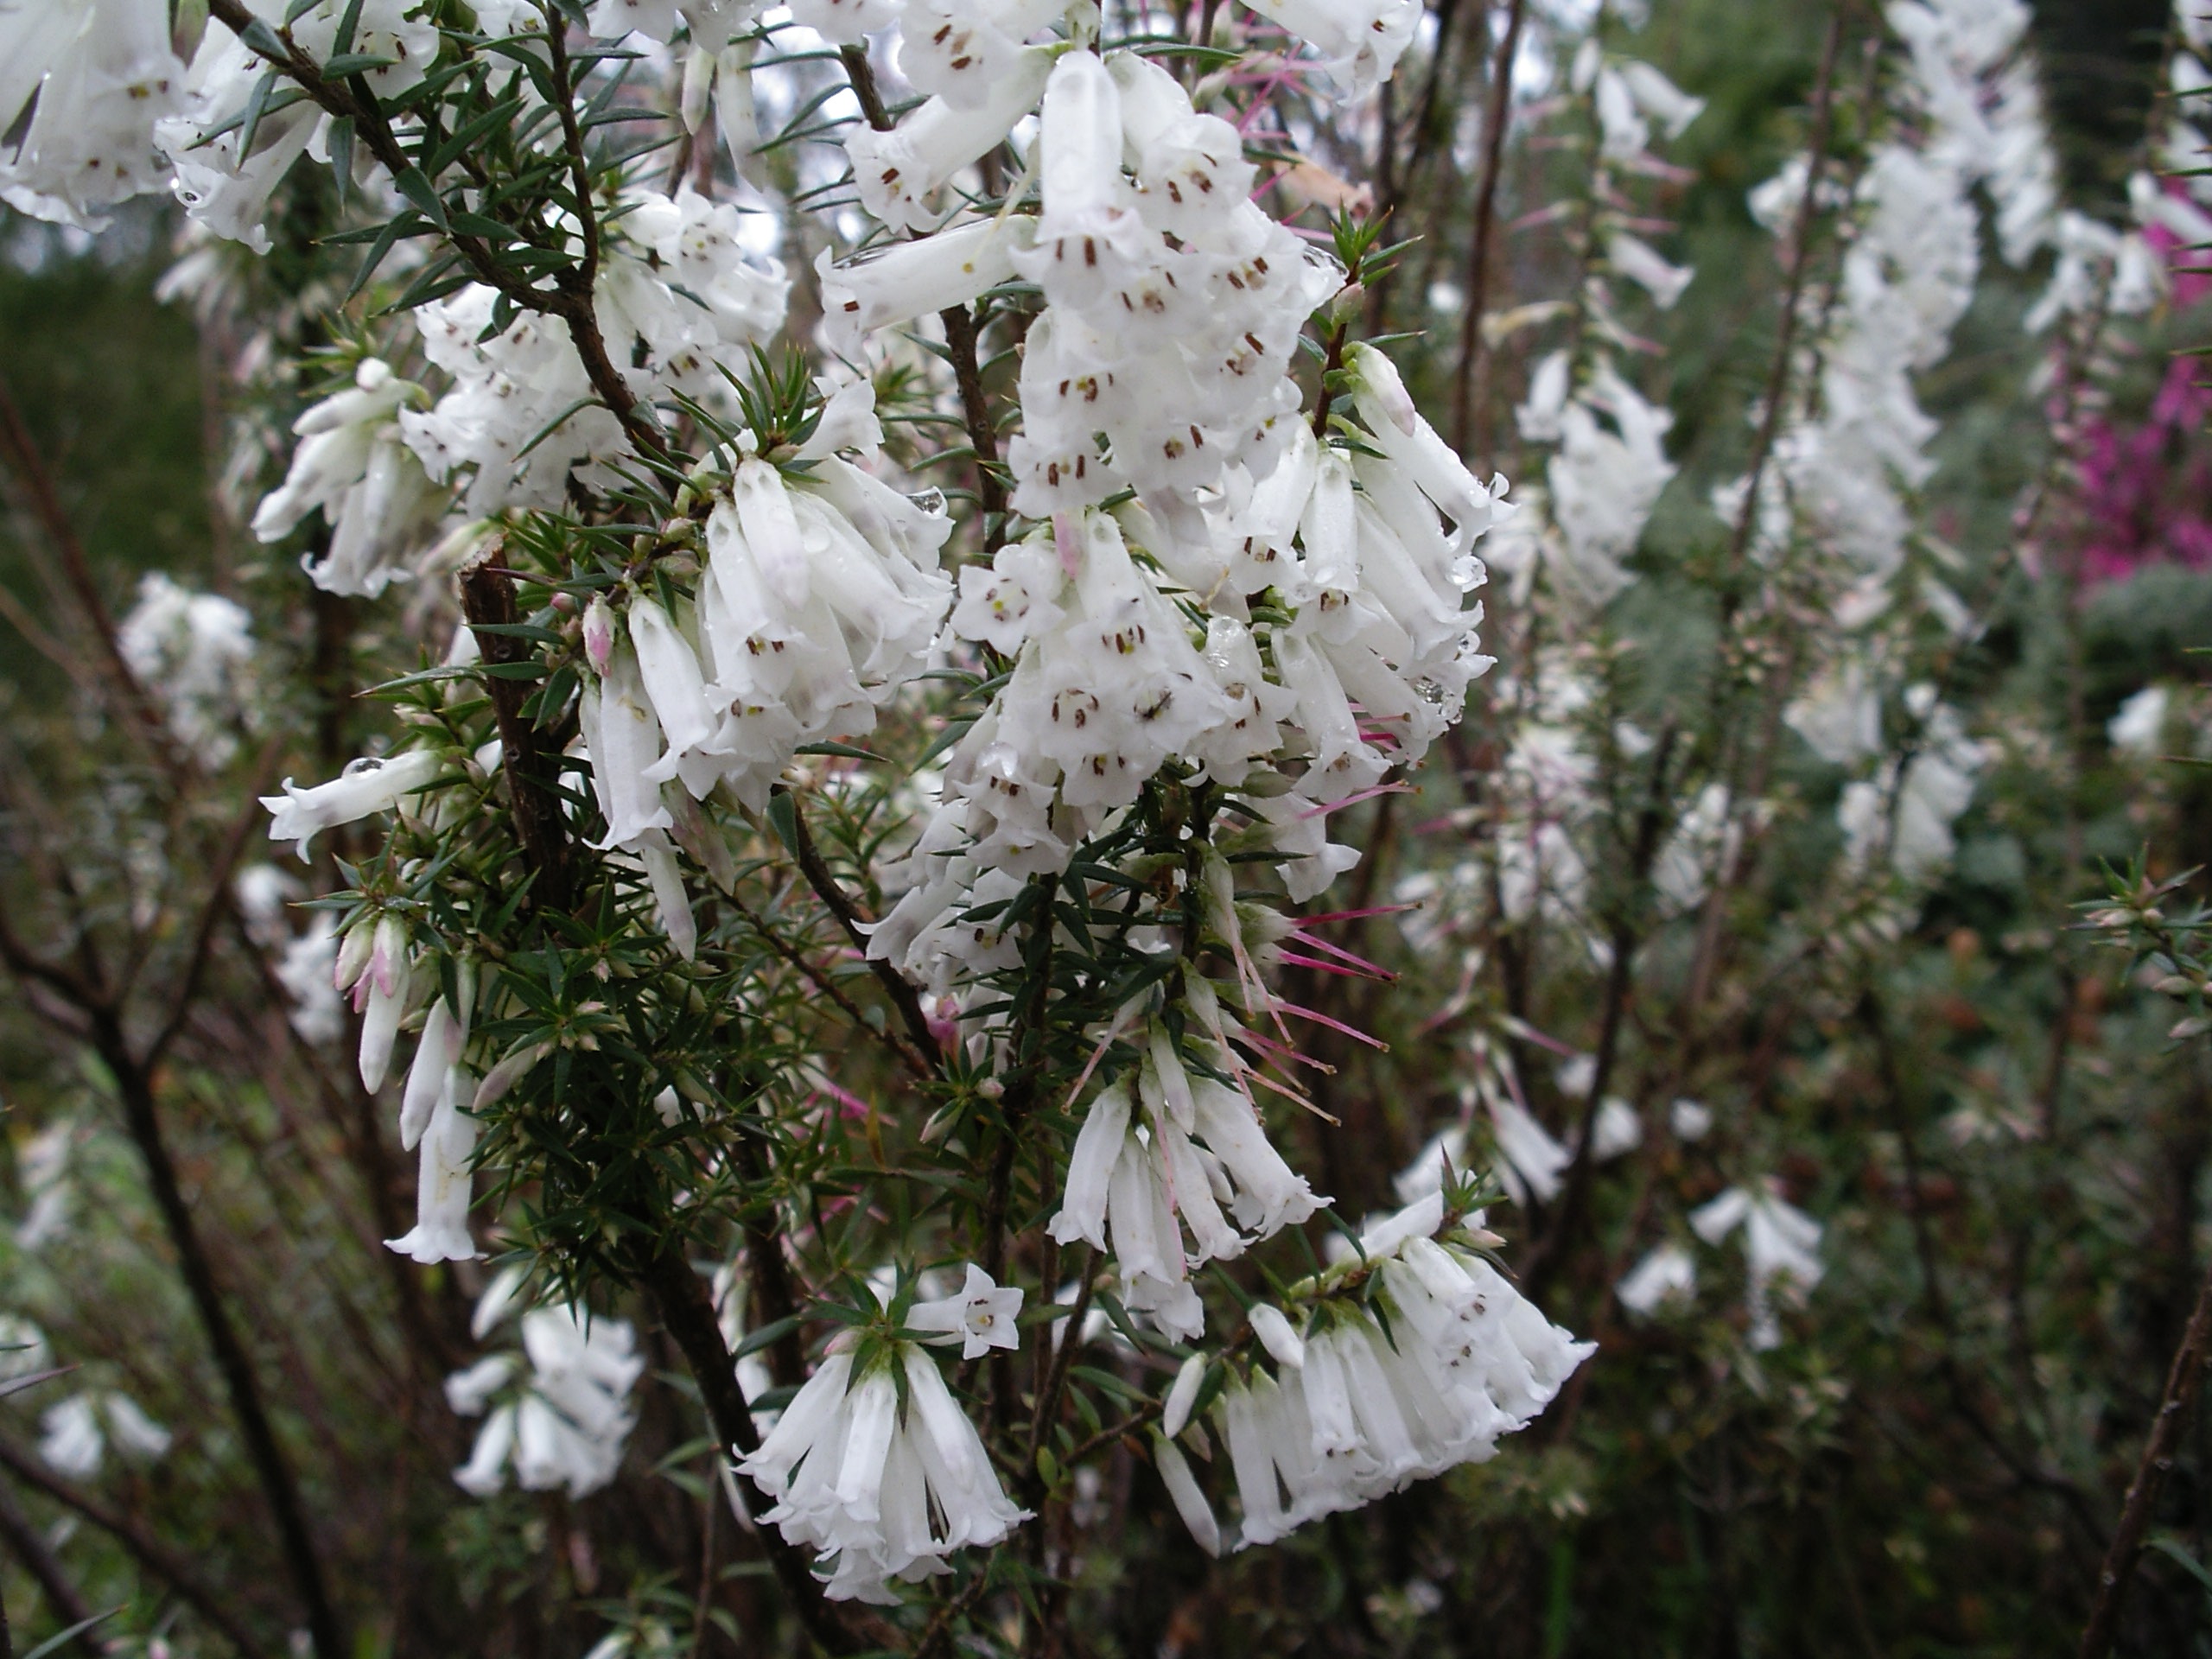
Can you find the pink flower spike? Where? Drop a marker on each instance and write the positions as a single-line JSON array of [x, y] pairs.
[[1321, 967], [853, 1106], [1358, 964], [1354, 799], [1320, 1019], [1301, 922]]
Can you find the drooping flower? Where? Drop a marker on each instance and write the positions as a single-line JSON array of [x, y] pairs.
[[568, 1422], [1781, 1250], [1464, 1360], [82, 83], [368, 784], [888, 1480], [352, 464]]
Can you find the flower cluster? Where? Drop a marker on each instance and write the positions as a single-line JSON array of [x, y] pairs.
[[1417, 1355], [565, 1423], [873, 1462]]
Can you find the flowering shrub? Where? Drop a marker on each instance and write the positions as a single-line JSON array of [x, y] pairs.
[[924, 669]]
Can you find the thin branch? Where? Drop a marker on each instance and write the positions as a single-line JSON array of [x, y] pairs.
[[279, 1489], [37, 480], [2183, 1380], [1801, 260], [908, 1055], [820, 877], [70, 1607], [487, 598], [1496, 108], [960, 334], [571, 302], [217, 905]]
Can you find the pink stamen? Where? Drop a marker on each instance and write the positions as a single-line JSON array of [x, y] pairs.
[[1320, 1019], [1359, 965], [1354, 799], [1301, 922], [1321, 967]]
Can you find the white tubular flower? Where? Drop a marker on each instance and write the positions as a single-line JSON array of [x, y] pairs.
[[72, 1443], [195, 652], [353, 464], [1183, 1396], [1198, 1160], [1408, 440], [485, 1472], [1191, 171], [678, 293], [1359, 42], [568, 1426], [959, 51], [433, 1077], [1531, 1160], [442, 1190], [1464, 1361], [1667, 1274], [102, 73], [1277, 1336], [1182, 1489], [889, 1487], [847, 22], [368, 784], [575, 1421], [907, 280], [1781, 1249], [669, 669], [507, 391], [822, 599], [623, 737], [896, 172], [1642, 264], [1088, 237], [981, 1317]]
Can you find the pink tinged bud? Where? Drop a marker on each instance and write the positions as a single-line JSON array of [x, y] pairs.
[[388, 955], [353, 954], [504, 1076], [598, 633], [1068, 544]]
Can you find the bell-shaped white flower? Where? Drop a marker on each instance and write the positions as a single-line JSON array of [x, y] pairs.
[[981, 1317], [900, 172], [353, 463], [1781, 1249], [895, 284], [101, 72], [888, 1480], [368, 784]]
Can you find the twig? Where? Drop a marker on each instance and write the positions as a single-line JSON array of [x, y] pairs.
[[960, 334], [908, 1055], [70, 1606], [141, 1116], [1801, 259], [571, 302], [2182, 1379], [831, 892]]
